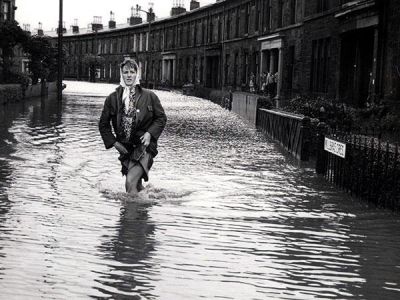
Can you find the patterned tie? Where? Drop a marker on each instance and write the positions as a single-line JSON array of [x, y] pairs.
[[131, 98], [132, 107], [129, 117]]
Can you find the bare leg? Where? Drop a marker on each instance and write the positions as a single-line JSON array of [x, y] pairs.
[[133, 178], [140, 186]]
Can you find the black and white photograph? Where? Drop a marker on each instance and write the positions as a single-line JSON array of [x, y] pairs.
[[198, 150]]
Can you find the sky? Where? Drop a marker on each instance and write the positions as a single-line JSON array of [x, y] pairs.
[[46, 11]]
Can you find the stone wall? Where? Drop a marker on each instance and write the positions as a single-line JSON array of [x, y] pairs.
[[10, 93], [245, 105]]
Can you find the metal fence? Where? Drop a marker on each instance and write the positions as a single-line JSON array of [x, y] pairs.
[[370, 168], [291, 131]]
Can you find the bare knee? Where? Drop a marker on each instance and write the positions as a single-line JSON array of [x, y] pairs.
[[132, 179]]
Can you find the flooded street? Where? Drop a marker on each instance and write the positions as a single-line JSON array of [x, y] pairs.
[[225, 215]]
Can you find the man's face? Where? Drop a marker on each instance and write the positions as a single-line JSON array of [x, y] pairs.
[[129, 75]]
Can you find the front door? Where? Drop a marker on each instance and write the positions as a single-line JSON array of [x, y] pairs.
[[356, 66]]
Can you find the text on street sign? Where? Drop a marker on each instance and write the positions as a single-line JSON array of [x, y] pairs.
[[335, 147]]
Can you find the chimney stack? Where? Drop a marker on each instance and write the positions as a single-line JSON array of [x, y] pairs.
[[40, 30], [27, 28], [97, 23], [111, 23], [135, 16], [75, 27], [178, 7], [194, 4]]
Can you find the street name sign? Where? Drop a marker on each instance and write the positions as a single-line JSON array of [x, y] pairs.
[[335, 147]]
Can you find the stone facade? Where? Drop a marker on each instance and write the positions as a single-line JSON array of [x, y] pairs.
[[390, 55], [338, 49]]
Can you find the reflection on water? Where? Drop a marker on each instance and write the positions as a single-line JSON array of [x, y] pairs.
[[226, 214], [126, 254]]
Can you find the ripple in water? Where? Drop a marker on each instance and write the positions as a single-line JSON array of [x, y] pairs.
[[226, 214]]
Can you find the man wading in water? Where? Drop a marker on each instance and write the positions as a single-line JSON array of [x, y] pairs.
[[138, 120]]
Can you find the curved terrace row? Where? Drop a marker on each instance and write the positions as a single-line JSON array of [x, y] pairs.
[[336, 49]]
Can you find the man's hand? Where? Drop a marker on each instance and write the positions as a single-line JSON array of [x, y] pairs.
[[121, 148], [145, 139]]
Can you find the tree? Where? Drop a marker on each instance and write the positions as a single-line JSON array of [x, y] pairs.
[[11, 35], [93, 61], [42, 59]]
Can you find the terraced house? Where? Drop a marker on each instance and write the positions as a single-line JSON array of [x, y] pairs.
[[340, 49]]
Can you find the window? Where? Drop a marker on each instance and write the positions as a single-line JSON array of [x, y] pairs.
[[291, 66], [180, 65], [25, 66], [293, 11], [152, 70], [105, 48], [246, 18], [237, 22], [198, 32], [211, 29], [126, 44], [203, 32], [219, 28], [256, 63], [194, 70], [320, 58], [187, 69], [257, 16], [227, 58], [179, 35], [162, 39], [267, 15], [236, 69], [280, 13], [114, 45], [195, 33], [201, 69], [188, 34], [160, 69], [228, 26], [6, 10], [245, 67], [119, 45]]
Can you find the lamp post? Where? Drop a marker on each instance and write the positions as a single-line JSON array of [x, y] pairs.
[[60, 66], [95, 53], [149, 15]]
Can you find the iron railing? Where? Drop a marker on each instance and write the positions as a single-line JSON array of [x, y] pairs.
[[289, 130], [369, 170]]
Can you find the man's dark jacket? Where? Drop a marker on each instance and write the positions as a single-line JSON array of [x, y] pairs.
[[150, 117]]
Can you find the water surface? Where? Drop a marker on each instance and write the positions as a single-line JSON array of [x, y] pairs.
[[226, 214]]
